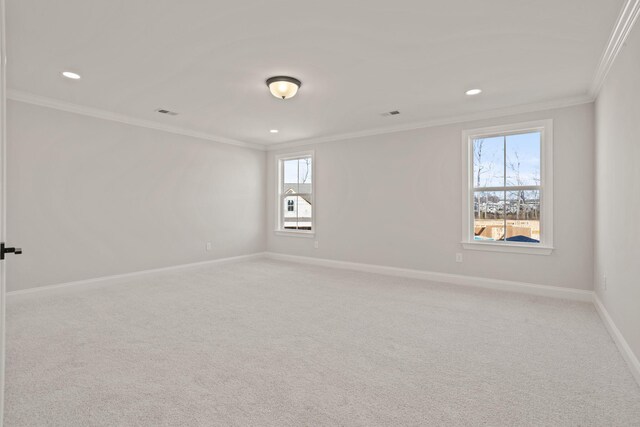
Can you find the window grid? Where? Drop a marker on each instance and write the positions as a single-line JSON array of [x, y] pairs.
[[534, 191], [295, 224], [505, 188]]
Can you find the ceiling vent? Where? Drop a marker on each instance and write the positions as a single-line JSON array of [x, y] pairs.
[[167, 112], [391, 113]]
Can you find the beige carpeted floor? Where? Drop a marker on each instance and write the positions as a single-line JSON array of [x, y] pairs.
[[265, 343]]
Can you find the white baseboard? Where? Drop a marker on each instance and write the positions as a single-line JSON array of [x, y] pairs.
[[618, 338], [138, 273], [503, 285], [455, 279]]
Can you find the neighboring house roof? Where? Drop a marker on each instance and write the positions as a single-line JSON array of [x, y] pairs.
[[302, 190], [297, 188]]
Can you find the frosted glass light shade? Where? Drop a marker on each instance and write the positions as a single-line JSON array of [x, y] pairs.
[[283, 87]]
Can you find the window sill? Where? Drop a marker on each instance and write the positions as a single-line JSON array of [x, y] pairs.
[[292, 233], [511, 248]]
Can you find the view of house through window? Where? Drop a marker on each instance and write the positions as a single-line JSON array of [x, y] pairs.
[[507, 188], [296, 198]]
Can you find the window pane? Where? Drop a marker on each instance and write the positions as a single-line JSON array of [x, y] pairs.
[[290, 175], [304, 212], [304, 174], [488, 208], [523, 216], [488, 162], [297, 212], [296, 208], [523, 159], [290, 213]]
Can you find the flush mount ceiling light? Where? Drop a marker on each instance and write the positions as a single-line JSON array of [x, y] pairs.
[[283, 87], [71, 75], [472, 92], [274, 131]]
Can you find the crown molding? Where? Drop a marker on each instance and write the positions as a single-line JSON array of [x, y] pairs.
[[483, 115], [627, 18], [623, 26], [42, 101]]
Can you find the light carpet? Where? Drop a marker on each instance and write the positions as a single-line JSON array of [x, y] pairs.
[[267, 343]]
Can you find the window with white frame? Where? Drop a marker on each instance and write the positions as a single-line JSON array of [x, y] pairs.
[[295, 193], [508, 188]]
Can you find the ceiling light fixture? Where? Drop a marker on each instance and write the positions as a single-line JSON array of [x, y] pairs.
[[283, 87], [274, 131], [472, 92], [70, 75]]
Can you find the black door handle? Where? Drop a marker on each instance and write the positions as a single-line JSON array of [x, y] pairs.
[[6, 250]]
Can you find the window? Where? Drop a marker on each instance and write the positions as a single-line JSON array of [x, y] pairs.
[[295, 194], [508, 189]]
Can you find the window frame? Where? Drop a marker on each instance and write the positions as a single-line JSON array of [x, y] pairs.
[[545, 247], [279, 228]]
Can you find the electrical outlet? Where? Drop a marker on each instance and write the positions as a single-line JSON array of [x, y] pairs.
[[208, 246], [315, 244], [458, 257]]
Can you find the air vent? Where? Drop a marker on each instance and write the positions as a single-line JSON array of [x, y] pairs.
[[167, 112], [391, 113]]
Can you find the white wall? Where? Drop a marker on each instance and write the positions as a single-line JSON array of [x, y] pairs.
[[618, 192], [90, 198], [396, 199]]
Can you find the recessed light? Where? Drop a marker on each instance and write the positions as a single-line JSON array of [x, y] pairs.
[[70, 75], [274, 131], [472, 92], [167, 112]]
